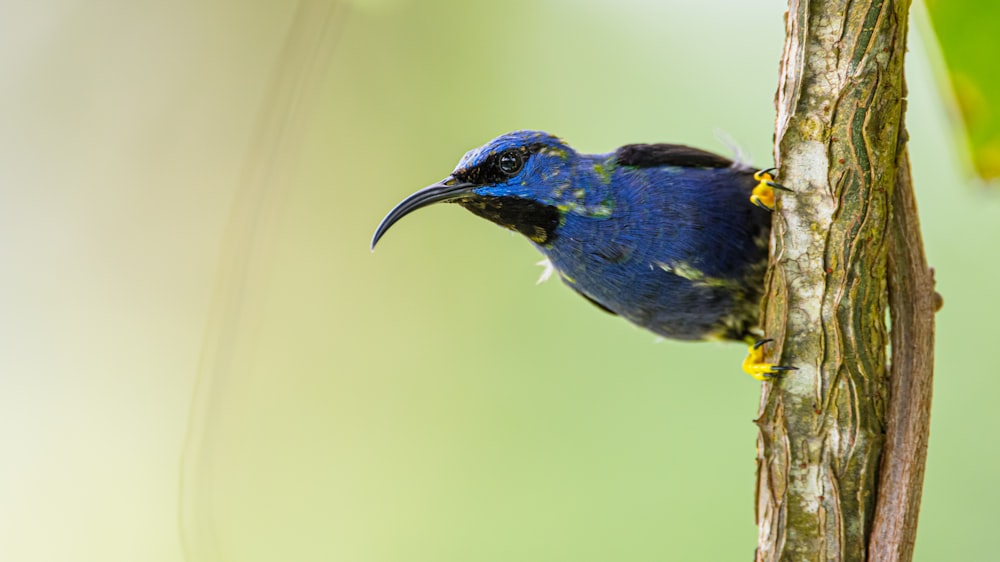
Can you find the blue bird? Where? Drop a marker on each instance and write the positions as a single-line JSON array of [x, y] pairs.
[[662, 235]]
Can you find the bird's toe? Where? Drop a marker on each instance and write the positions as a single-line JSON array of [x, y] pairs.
[[755, 366]]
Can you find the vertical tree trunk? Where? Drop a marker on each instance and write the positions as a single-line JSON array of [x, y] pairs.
[[823, 428]]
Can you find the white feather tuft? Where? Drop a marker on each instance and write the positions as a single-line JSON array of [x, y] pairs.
[[547, 272], [741, 158]]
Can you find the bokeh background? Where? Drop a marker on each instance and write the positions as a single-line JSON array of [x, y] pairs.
[[199, 354]]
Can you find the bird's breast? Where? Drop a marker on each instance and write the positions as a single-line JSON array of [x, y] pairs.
[[680, 262]]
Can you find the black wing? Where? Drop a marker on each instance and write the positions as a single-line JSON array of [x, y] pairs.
[[650, 155], [592, 301]]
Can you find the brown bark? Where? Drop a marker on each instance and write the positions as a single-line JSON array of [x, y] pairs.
[[912, 303]]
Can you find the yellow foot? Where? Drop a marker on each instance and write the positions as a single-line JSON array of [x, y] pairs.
[[763, 192], [755, 366]]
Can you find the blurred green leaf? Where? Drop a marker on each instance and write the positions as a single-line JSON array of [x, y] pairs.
[[966, 31]]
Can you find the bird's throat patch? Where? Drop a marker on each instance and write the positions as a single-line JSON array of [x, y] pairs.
[[535, 220]]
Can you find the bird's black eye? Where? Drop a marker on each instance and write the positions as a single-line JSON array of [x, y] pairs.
[[510, 162]]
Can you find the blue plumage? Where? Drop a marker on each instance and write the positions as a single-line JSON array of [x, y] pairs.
[[663, 235]]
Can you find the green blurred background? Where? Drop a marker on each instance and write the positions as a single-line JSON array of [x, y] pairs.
[[196, 341]]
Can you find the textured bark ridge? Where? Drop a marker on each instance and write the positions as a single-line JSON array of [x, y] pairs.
[[823, 427]]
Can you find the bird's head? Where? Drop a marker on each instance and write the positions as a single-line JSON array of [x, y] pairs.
[[515, 180]]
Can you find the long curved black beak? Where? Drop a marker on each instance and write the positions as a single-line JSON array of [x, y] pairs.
[[447, 189]]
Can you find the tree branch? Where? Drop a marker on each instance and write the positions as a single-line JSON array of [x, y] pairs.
[[912, 303], [822, 428]]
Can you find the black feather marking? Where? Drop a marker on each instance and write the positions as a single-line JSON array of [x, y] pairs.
[[535, 220], [613, 252], [592, 301], [488, 171], [651, 155]]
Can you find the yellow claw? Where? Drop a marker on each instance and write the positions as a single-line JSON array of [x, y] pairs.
[[755, 366], [763, 192]]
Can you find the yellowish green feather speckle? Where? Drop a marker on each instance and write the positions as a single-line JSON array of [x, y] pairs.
[[604, 170], [695, 275]]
